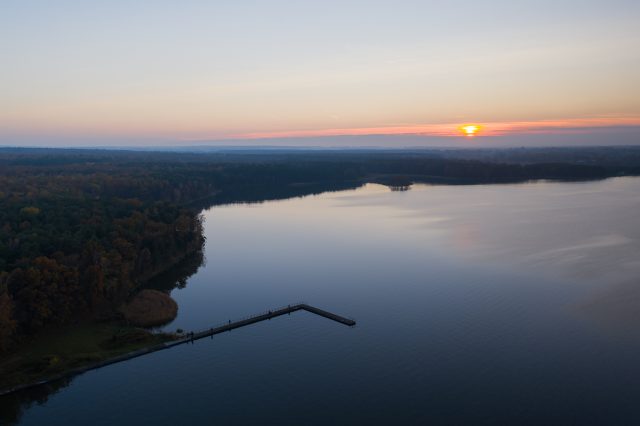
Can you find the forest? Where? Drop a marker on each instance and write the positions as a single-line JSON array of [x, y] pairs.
[[80, 230]]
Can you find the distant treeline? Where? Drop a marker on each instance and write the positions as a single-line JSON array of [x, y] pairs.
[[80, 229]]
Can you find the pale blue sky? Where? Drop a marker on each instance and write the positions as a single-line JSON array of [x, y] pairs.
[[161, 71]]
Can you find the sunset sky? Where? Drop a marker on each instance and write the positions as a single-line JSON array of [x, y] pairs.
[[319, 72]]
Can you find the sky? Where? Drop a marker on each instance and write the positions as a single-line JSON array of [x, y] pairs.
[[327, 73]]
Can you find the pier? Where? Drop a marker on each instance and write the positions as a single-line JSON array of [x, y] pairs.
[[190, 338], [285, 310]]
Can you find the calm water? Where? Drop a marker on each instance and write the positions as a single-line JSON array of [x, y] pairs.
[[500, 304]]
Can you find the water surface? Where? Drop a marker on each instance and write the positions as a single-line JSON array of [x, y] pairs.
[[487, 304]]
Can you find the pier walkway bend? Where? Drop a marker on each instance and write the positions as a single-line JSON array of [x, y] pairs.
[[262, 317]]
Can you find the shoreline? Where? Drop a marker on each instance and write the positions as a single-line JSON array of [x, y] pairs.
[[73, 349], [80, 370]]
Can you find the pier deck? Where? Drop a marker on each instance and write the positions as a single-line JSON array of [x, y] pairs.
[[266, 316]]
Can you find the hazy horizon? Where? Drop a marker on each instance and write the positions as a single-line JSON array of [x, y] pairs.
[[620, 137]]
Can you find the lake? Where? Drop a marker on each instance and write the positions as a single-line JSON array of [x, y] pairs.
[[486, 304]]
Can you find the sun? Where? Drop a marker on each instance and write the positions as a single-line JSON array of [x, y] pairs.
[[470, 130]]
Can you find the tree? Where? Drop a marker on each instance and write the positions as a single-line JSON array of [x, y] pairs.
[[7, 323]]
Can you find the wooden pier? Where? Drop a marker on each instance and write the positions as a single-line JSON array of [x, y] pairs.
[[190, 338], [266, 316]]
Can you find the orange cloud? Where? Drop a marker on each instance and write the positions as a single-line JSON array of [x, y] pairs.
[[453, 129]]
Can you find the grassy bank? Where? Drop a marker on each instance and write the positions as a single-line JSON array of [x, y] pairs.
[[63, 349]]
